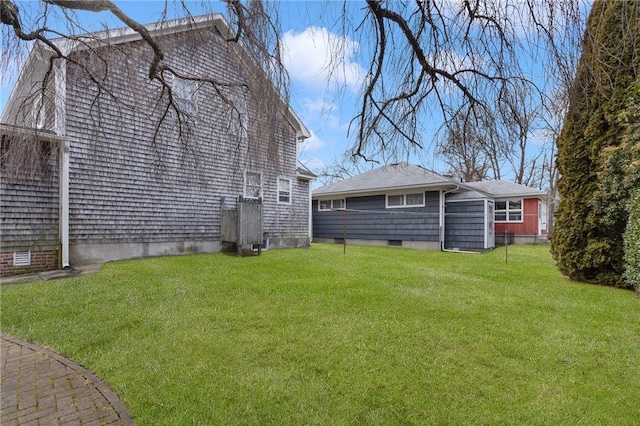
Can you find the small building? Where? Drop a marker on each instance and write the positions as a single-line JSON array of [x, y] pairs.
[[520, 211], [410, 206], [125, 176]]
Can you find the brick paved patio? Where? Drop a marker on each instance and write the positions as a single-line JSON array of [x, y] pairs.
[[41, 387]]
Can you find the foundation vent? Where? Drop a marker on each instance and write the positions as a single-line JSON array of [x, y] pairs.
[[21, 258]]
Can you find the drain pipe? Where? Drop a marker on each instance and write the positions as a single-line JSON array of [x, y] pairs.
[[64, 203], [60, 117], [443, 195]]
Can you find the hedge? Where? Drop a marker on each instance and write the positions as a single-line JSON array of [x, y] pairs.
[[632, 244]]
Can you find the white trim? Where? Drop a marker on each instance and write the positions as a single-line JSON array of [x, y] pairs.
[[60, 126], [278, 179], [507, 210], [310, 204], [331, 206], [489, 216], [244, 185], [21, 258], [391, 190], [404, 200]]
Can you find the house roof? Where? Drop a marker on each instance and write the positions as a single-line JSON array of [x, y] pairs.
[[35, 66], [390, 177], [406, 176], [504, 189], [24, 132], [302, 172]]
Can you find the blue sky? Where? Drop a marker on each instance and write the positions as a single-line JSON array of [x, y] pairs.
[[325, 101]]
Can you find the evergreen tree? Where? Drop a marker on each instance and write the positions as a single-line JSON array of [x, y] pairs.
[[597, 154]]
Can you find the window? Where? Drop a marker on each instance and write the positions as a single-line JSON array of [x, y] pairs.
[[337, 204], [38, 112], [184, 96], [238, 115], [395, 200], [284, 191], [252, 185], [405, 200], [508, 211]]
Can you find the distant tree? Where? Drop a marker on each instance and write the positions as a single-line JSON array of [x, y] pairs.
[[597, 149], [464, 147]]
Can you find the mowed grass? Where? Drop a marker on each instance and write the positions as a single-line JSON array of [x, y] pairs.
[[376, 336]]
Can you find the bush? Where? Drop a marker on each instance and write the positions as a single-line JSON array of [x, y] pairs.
[[632, 244]]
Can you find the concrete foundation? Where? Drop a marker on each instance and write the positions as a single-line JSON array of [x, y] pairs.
[[85, 254], [423, 245]]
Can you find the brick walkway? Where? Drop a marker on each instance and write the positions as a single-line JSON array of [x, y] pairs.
[[41, 387]]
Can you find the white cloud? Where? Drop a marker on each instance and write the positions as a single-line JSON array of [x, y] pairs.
[[319, 59], [314, 164], [311, 145]]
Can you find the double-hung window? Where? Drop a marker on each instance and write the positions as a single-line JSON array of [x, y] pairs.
[[284, 191], [252, 185], [405, 200], [336, 204], [508, 211]]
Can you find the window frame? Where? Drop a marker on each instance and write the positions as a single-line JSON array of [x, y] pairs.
[[278, 190], [331, 207], [238, 116], [405, 198], [508, 211], [245, 185], [185, 96]]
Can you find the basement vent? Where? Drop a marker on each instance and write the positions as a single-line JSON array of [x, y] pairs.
[[21, 258], [395, 243]]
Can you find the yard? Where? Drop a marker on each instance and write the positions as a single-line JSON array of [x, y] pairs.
[[376, 336]]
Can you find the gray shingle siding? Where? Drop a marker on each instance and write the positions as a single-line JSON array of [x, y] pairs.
[[368, 219], [464, 224], [124, 188], [29, 210]]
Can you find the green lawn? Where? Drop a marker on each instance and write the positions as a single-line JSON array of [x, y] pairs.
[[376, 336]]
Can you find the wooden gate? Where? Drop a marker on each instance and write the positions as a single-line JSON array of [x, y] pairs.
[[243, 225]]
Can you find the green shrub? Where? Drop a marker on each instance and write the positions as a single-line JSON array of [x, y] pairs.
[[598, 149], [632, 244]]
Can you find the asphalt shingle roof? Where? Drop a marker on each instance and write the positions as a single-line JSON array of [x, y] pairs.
[[405, 175], [502, 188], [392, 176]]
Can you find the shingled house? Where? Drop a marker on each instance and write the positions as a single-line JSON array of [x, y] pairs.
[[408, 205], [115, 184]]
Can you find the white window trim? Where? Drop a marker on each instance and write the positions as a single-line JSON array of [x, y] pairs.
[[278, 190], [507, 211], [245, 185], [331, 207], [404, 200]]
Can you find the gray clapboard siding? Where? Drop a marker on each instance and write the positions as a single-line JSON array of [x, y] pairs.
[[368, 219], [464, 224]]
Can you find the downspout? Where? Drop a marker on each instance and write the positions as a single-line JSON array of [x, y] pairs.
[[60, 78], [443, 195], [310, 213], [64, 203]]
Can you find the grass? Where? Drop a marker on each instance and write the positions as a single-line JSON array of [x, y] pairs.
[[376, 336]]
